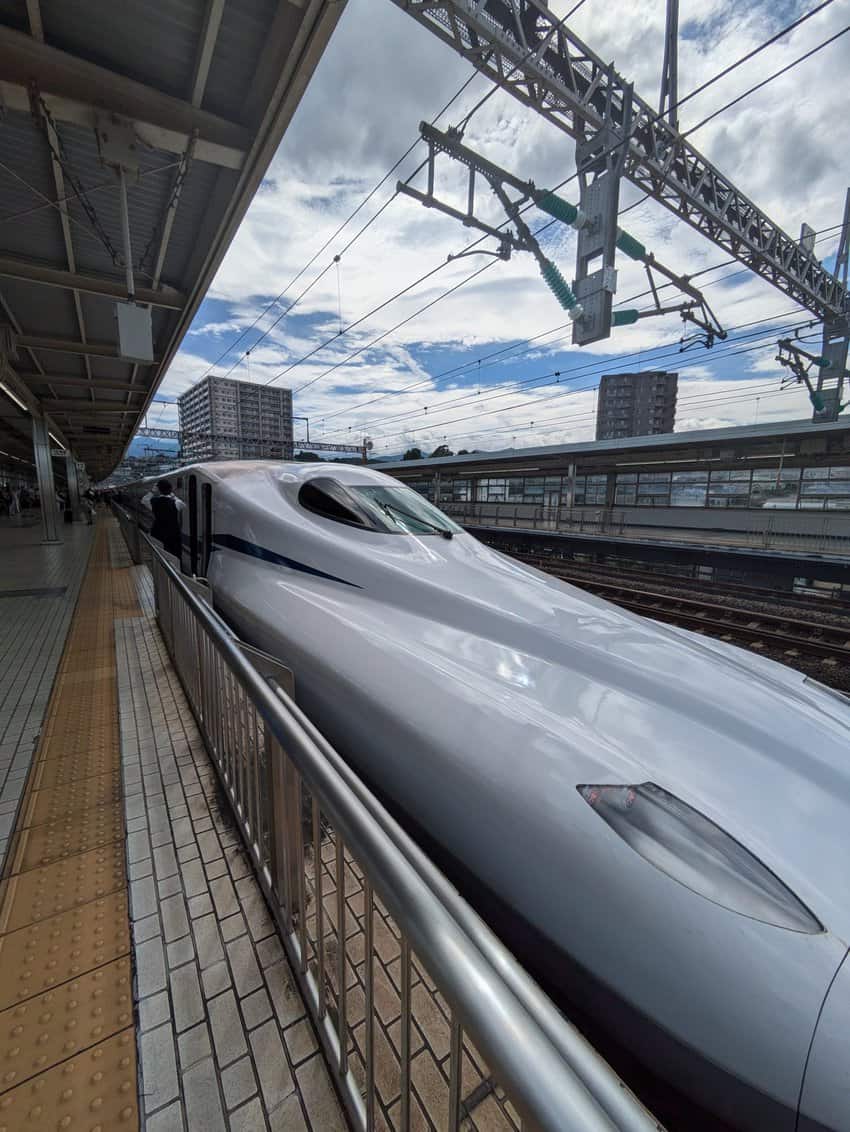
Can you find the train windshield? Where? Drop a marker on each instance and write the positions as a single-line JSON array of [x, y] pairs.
[[392, 509], [402, 510]]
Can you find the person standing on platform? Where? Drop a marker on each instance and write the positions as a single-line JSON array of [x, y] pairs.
[[166, 508]]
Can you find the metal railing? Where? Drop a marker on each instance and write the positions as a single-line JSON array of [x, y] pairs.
[[774, 530], [415, 1001]]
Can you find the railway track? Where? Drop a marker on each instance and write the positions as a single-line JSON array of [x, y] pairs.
[[776, 631], [837, 605]]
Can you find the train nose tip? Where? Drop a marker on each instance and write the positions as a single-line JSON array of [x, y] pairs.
[[825, 1097]]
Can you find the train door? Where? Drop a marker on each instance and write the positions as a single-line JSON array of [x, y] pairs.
[[206, 529], [193, 525]]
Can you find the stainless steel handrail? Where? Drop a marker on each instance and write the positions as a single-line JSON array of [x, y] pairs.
[[551, 1074]]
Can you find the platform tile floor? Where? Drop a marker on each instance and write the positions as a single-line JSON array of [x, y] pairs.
[[224, 1041], [39, 586]]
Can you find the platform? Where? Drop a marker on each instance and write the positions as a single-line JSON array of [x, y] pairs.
[[142, 982], [660, 546]]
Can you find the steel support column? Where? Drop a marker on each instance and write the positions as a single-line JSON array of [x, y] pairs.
[[73, 483], [46, 489]]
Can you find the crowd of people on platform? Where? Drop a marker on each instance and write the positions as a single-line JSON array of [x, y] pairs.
[[15, 500]]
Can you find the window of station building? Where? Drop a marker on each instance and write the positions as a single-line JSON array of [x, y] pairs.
[[688, 489], [825, 488], [591, 489], [461, 491]]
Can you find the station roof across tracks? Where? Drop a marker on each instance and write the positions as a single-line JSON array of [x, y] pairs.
[[192, 98], [816, 438]]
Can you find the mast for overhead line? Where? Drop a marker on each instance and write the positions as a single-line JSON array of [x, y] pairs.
[[570, 86], [670, 68], [836, 337], [695, 310]]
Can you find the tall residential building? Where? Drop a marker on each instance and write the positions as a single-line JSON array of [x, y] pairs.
[[636, 404], [223, 419]]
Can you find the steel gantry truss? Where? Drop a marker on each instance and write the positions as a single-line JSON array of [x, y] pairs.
[[528, 52]]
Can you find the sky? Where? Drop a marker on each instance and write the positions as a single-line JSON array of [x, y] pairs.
[[452, 373]]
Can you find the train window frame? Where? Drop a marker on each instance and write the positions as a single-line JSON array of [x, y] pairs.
[[339, 497], [193, 525]]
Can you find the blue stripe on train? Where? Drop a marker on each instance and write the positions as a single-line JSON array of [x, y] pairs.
[[242, 546]]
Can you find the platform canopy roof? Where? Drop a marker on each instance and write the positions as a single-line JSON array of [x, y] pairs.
[[190, 98]]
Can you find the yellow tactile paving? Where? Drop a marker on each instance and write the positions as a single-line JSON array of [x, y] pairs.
[[58, 771], [60, 886], [50, 1027], [40, 956], [67, 1045], [74, 833], [95, 1091], [56, 802]]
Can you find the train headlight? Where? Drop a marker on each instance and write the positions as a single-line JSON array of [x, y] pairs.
[[681, 842]]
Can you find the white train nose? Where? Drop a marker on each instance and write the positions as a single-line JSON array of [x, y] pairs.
[[825, 1099]]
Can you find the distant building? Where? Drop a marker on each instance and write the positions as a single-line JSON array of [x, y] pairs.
[[636, 404], [223, 419]]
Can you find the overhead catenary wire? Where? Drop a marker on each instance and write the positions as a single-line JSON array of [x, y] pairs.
[[562, 374], [542, 423], [474, 363], [340, 228], [537, 232], [719, 355]]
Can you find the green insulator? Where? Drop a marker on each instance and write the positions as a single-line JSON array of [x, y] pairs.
[[824, 363], [625, 318], [558, 207], [557, 284], [631, 247], [817, 401]]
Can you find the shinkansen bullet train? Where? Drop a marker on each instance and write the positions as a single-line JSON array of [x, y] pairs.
[[662, 821]]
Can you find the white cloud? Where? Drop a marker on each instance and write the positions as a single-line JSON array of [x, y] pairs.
[[380, 75]]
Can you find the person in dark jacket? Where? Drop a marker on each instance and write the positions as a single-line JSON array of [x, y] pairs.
[[166, 508]]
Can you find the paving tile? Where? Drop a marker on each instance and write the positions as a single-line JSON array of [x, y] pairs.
[[243, 965], [232, 927], [194, 878], [186, 997], [207, 941], [238, 1083], [159, 1068], [269, 950], [154, 1010], [256, 1008], [150, 967], [250, 1118], [289, 1117], [145, 928], [319, 1098], [167, 1119], [143, 900], [200, 906], [224, 896], [194, 1046], [215, 979], [300, 1041], [228, 1036], [203, 1105], [285, 996], [174, 921], [180, 952], [272, 1067]]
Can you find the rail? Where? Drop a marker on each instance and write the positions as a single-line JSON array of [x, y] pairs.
[[375, 934]]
